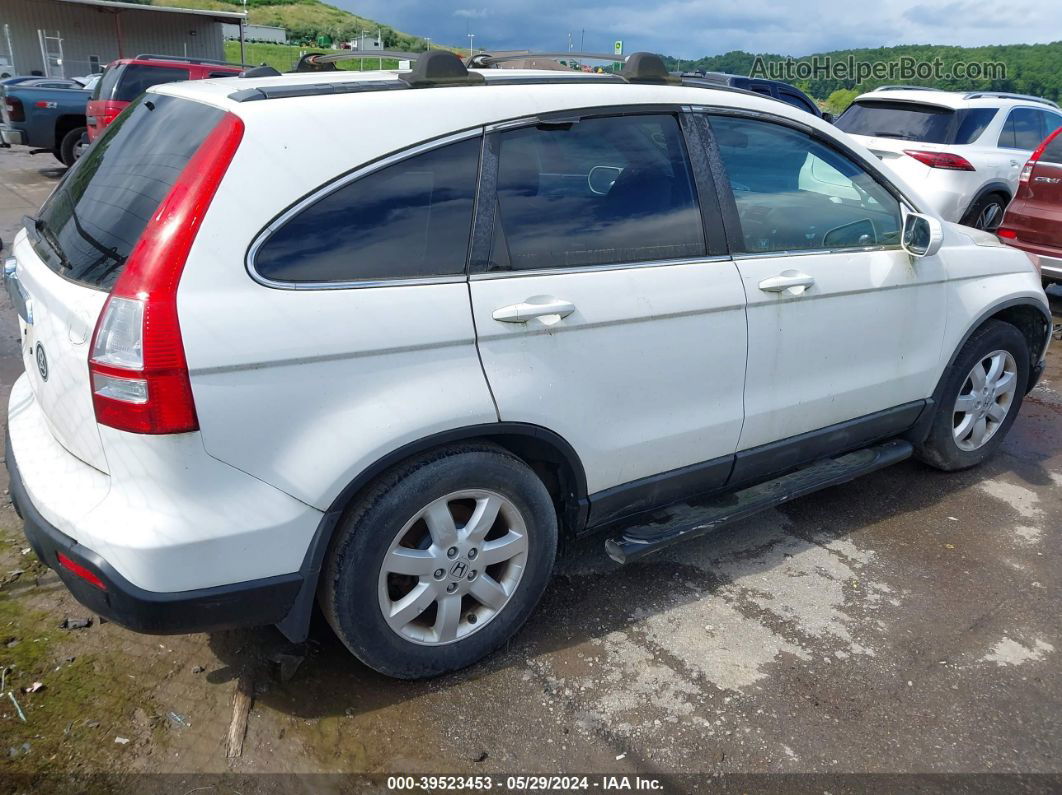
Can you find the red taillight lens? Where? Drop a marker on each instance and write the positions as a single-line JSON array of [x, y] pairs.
[[137, 366], [1010, 234], [940, 160], [81, 572], [14, 109]]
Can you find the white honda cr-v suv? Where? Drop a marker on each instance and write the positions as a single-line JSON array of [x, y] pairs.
[[962, 151], [382, 340]]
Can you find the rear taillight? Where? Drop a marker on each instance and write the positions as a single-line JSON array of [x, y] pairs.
[[1027, 171], [15, 111], [1009, 234], [944, 160], [137, 366]]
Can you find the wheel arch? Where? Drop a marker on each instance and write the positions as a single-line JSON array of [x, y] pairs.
[[66, 123], [995, 186], [547, 453]]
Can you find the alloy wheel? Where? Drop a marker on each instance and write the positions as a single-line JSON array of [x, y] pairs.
[[990, 217], [984, 400], [453, 567]]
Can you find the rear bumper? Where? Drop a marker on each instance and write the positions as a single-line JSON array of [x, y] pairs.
[[254, 603], [12, 135], [1050, 256]]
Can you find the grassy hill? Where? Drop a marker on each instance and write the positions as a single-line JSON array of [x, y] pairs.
[[305, 19], [1030, 69]]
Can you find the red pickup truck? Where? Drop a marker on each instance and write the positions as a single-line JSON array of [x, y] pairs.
[[125, 79]]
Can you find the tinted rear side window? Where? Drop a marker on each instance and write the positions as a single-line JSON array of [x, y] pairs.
[[908, 121], [1023, 129], [133, 79], [96, 214], [1053, 151], [105, 87], [598, 192], [411, 219], [971, 123]]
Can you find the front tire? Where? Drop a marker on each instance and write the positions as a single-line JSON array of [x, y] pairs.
[[981, 396], [440, 561]]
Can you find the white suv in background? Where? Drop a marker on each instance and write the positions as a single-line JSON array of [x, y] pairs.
[[963, 151], [383, 340]]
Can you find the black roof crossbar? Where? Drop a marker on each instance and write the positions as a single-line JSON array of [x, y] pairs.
[[443, 68], [185, 59], [905, 88], [484, 60]]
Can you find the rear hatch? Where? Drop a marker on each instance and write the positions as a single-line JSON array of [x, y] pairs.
[[888, 128], [1041, 197], [72, 254]]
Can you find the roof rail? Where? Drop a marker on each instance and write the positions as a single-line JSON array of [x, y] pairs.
[[1008, 95], [185, 59], [906, 88]]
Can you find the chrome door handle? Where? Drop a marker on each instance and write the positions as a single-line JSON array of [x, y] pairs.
[[794, 282], [546, 308]]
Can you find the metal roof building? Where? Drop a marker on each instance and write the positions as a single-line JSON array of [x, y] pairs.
[[78, 37]]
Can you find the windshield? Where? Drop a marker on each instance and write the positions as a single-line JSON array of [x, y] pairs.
[[89, 225]]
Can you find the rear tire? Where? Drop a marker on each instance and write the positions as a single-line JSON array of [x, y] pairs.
[[986, 213], [68, 149], [421, 518], [978, 405]]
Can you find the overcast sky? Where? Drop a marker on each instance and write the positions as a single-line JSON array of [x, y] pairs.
[[692, 28]]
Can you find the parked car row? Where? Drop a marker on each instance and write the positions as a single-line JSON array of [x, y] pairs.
[[506, 310], [64, 116]]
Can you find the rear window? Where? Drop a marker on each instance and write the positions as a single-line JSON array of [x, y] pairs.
[[908, 121], [89, 225], [125, 82]]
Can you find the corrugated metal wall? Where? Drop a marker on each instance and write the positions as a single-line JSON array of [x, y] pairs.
[[88, 31]]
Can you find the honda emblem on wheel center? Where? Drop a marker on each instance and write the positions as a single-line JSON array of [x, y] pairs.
[[458, 569], [42, 362]]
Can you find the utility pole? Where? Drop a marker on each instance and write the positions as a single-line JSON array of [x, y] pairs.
[[427, 46], [582, 40], [470, 51], [243, 47]]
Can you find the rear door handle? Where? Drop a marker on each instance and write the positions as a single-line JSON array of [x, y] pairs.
[[794, 282], [546, 308]]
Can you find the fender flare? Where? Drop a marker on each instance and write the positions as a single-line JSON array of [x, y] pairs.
[[296, 624]]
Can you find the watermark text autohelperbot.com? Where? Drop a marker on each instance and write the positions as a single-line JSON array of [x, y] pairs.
[[904, 68]]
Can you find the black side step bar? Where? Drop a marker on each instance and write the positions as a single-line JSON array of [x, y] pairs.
[[638, 541]]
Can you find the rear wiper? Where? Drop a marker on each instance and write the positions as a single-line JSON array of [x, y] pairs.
[[889, 135], [53, 242]]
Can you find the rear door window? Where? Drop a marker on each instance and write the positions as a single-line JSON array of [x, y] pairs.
[[908, 121], [89, 225], [598, 191], [411, 219]]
